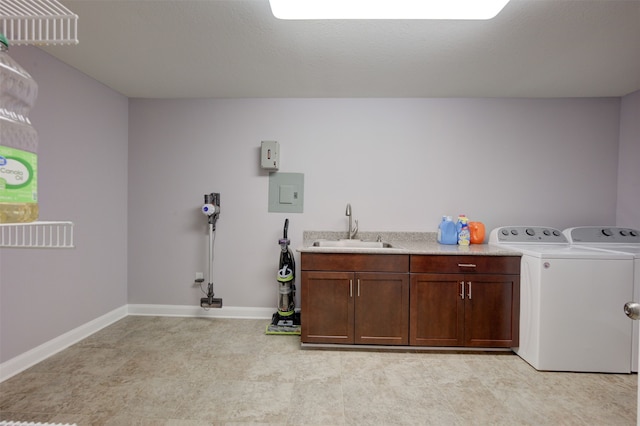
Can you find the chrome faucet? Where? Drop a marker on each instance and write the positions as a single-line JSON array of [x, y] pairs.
[[352, 230]]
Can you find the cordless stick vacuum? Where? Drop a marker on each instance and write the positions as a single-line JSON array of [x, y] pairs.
[[286, 320], [211, 209]]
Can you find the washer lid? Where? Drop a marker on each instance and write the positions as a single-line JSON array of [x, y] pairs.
[[632, 249], [567, 251]]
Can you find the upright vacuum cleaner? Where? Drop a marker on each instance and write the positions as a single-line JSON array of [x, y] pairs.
[[286, 320], [211, 209]]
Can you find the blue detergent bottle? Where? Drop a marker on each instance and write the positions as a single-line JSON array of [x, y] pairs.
[[447, 233]]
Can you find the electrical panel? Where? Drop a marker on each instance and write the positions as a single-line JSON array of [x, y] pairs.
[[286, 192]]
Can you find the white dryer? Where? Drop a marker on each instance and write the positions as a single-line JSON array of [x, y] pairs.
[[571, 300], [618, 239]]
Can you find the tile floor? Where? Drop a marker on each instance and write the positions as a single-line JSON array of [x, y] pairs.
[[187, 371]]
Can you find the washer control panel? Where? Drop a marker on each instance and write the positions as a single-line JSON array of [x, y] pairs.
[[602, 234], [527, 234]]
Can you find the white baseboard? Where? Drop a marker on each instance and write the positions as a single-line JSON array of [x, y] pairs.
[[196, 311], [30, 358]]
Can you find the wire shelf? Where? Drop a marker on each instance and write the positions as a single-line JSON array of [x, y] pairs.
[[38, 22], [37, 235]]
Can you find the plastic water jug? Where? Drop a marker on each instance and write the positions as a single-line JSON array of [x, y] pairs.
[[18, 142]]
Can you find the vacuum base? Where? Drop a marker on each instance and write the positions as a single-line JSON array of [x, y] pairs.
[[284, 325], [282, 330], [215, 302]]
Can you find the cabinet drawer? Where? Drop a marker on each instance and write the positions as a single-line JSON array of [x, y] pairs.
[[355, 262], [451, 264]]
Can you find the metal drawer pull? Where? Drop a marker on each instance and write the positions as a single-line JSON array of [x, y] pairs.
[[358, 287], [461, 289], [350, 288], [466, 265], [469, 294]]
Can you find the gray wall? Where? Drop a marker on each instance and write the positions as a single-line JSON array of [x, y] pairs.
[[628, 211], [401, 163], [82, 127]]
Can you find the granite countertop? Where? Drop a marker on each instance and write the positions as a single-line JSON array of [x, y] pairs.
[[402, 242]]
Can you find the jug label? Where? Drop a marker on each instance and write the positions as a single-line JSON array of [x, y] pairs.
[[18, 176]]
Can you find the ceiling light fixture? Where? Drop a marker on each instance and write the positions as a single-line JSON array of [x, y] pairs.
[[386, 9]]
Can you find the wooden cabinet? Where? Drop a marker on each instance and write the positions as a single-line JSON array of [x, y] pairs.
[[355, 298], [471, 301], [422, 300]]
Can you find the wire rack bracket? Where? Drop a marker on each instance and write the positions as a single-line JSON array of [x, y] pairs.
[[38, 22]]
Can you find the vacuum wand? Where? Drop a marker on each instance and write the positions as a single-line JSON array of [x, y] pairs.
[[284, 241], [211, 208]]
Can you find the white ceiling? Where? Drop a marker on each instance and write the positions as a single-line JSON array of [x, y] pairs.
[[235, 48]]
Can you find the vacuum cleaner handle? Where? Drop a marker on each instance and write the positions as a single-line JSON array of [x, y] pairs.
[[286, 227]]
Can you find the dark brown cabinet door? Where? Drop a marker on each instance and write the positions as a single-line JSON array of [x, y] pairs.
[[327, 307], [381, 309], [437, 310], [492, 310], [473, 310]]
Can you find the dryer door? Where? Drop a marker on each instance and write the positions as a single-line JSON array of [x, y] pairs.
[[632, 309]]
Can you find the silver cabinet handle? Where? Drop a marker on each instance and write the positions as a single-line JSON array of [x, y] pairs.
[[350, 288], [466, 265], [461, 289], [469, 294], [358, 287]]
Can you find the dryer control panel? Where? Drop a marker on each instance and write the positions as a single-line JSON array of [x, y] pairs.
[[602, 234]]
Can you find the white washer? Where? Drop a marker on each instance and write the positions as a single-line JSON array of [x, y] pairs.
[[618, 239], [571, 299]]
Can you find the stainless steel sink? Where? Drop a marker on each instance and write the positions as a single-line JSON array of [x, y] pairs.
[[353, 244]]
